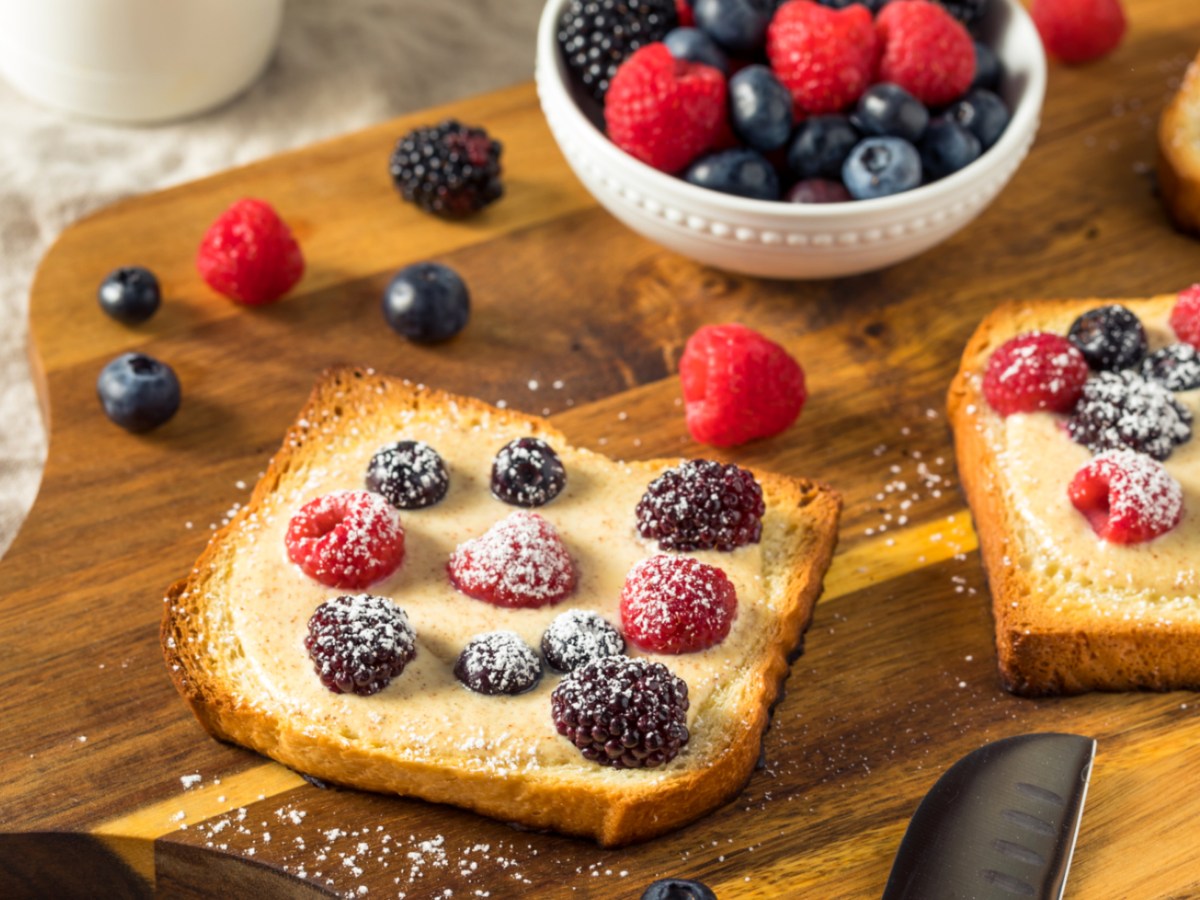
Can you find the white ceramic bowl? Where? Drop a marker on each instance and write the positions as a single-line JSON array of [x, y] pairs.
[[788, 240]]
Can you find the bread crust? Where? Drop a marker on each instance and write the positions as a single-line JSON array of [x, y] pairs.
[[1179, 152], [1039, 652], [611, 811]]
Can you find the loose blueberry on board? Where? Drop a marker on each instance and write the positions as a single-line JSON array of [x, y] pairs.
[[946, 148], [880, 167], [694, 45], [741, 171], [888, 110], [527, 472], [130, 294], [818, 190], [760, 108], [988, 69], [138, 392], [596, 36], [739, 26], [427, 303], [983, 113], [1110, 338], [683, 888], [820, 146], [410, 474]]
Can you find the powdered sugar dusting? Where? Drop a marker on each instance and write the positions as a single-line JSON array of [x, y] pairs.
[[498, 662], [519, 561], [1123, 410]]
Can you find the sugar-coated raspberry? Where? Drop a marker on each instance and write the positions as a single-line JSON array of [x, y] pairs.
[[825, 57], [346, 539], [1185, 315], [1110, 338], [1127, 497], [675, 604], [1121, 410], [664, 111], [518, 562], [249, 254], [622, 712], [498, 662], [925, 50], [738, 385], [410, 474], [578, 636], [359, 643], [701, 505], [527, 472], [1035, 371], [1078, 31]]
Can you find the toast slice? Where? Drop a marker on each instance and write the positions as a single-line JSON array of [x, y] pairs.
[[233, 630], [1072, 612], [1179, 152]]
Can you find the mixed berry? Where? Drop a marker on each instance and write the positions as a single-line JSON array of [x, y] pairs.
[[1124, 410], [1127, 497], [409, 474], [138, 392], [577, 637], [450, 169], [249, 254], [427, 303], [358, 643], [675, 604], [130, 294], [518, 562], [346, 539], [527, 472], [498, 662], [728, 99], [702, 505]]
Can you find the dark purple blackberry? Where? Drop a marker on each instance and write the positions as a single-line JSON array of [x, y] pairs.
[[527, 472], [359, 643], [701, 504], [577, 637], [622, 712], [410, 474], [1110, 338], [596, 36], [498, 662], [451, 169], [1123, 410], [678, 889], [1177, 367]]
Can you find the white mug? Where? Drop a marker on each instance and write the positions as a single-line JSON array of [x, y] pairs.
[[136, 60]]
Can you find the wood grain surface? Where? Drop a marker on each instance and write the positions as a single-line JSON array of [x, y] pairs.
[[898, 678]]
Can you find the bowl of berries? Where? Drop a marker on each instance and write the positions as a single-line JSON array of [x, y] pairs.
[[800, 139]]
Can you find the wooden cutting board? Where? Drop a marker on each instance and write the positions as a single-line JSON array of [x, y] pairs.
[[112, 789]]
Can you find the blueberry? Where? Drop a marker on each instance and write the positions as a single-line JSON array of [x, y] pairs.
[[1110, 338], [427, 303], [988, 69], [983, 113], [888, 110], [678, 889], [694, 45], [946, 148], [818, 190], [873, 5], [760, 108], [527, 472], [820, 147], [138, 392], [410, 474], [739, 26], [129, 294], [743, 172], [880, 166]]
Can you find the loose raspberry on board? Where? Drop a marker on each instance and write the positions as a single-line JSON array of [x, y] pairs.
[[249, 254], [1079, 31]]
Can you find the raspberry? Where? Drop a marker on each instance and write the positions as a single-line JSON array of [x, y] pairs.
[[622, 712], [359, 643], [346, 539], [577, 637], [825, 57], [675, 604], [1185, 315], [451, 170], [738, 385], [498, 662], [1127, 497], [925, 51], [1109, 337], [1035, 371], [1078, 31], [596, 36], [1123, 410], [527, 472], [518, 562], [701, 504], [664, 111], [1176, 367], [249, 255], [410, 474]]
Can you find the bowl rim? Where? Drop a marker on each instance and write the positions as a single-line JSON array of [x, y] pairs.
[[551, 78]]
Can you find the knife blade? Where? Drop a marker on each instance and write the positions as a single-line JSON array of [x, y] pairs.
[[999, 824]]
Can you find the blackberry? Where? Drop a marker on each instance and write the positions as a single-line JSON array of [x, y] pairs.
[[358, 643], [1177, 367], [1123, 410], [577, 637], [527, 472], [410, 474], [622, 712], [678, 889], [451, 169], [596, 36], [498, 662], [701, 504], [1109, 337]]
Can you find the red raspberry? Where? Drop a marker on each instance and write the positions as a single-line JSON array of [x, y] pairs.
[[738, 386], [925, 50], [825, 57], [675, 604], [1185, 316], [1127, 497], [249, 254], [662, 110], [683, 9], [1078, 31], [1035, 371], [518, 562], [346, 539]]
